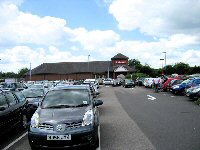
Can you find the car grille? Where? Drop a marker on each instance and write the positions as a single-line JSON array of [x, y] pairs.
[[71, 125], [45, 126]]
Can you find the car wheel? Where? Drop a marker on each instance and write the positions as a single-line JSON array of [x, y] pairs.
[[24, 122]]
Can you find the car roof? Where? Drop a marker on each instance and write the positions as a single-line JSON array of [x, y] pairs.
[[75, 87]]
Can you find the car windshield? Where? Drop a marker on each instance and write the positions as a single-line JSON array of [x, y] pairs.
[[33, 92], [128, 81], [186, 81], [36, 86], [66, 98]]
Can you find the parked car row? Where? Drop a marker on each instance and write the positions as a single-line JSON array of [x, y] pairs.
[[176, 85], [43, 110]]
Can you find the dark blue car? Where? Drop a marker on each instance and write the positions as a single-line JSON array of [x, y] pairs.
[[180, 88]]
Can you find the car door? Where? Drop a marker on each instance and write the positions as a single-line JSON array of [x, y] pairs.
[[15, 110], [4, 115]]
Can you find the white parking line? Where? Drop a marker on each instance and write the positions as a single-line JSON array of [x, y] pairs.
[[19, 138], [99, 148], [15, 141]]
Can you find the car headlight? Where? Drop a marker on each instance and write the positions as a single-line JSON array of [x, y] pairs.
[[175, 87], [88, 118], [35, 120], [196, 90]]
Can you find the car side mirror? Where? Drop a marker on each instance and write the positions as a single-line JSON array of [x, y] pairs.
[[98, 102]]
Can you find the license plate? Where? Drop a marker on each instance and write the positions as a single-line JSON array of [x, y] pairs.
[[58, 137]]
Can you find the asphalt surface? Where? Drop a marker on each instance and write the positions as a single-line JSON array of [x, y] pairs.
[[137, 119], [118, 130], [170, 122]]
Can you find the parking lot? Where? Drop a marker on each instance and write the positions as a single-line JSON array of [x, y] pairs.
[[138, 119]]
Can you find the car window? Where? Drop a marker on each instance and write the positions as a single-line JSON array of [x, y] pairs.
[[3, 102], [33, 92], [11, 99], [20, 96], [66, 97]]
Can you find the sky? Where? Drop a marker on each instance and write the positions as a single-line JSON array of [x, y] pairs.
[[33, 32]]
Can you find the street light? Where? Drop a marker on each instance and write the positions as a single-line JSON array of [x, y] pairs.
[[88, 63], [108, 76], [165, 62], [162, 65], [30, 72]]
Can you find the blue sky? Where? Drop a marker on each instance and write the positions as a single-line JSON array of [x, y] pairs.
[[48, 31]]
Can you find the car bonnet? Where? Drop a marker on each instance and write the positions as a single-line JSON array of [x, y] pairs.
[[59, 115]]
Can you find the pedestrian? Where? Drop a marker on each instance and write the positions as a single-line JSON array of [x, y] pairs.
[[156, 83]]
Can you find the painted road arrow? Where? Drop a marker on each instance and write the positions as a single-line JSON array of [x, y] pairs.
[[151, 97]]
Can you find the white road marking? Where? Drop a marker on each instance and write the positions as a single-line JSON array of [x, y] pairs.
[[15, 141], [19, 138], [151, 97], [99, 148]]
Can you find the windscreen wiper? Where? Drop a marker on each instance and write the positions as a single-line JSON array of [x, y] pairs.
[[81, 105], [60, 106]]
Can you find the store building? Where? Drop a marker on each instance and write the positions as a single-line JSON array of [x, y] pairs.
[[81, 70]]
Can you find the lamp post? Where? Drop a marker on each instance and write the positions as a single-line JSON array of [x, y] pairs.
[[88, 63], [108, 70], [165, 63], [162, 64], [30, 72]]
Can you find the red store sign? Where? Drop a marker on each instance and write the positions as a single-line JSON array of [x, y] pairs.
[[120, 62]]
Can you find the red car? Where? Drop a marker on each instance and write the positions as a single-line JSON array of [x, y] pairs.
[[166, 84]]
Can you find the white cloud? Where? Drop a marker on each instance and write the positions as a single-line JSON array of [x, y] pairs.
[[93, 40], [17, 27], [48, 33], [21, 56], [151, 52], [158, 17]]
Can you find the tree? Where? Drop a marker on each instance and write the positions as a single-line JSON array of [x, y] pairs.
[[170, 69], [194, 70], [147, 70], [181, 68], [22, 72], [9, 75], [136, 63]]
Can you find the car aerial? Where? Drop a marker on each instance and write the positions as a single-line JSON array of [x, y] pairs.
[[13, 113], [67, 118], [128, 83]]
